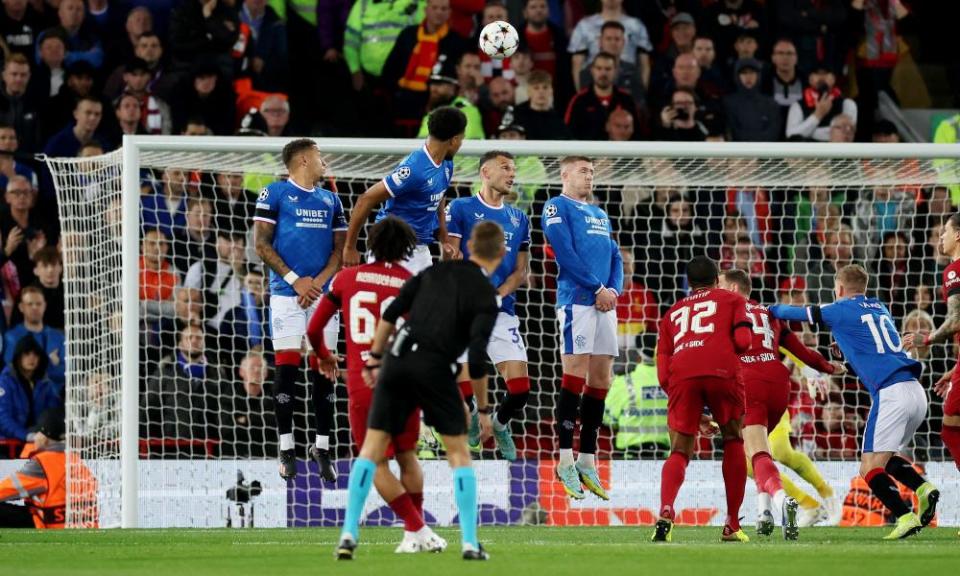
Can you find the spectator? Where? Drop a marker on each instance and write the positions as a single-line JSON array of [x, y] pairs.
[[221, 281], [933, 208], [233, 207], [619, 126], [157, 278], [24, 229], [538, 116], [783, 83], [837, 433], [181, 399], [822, 100], [585, 40], [195, 127], [165, 208], [494, 11], [675, 241], [522, 66], [502, 97], [407, 69], [122, 47], [247, 325], [837, 252], [191, 243], [443, 91], [269, 35], [156, 117], [276, 112], [547, 43], [202, 30], [842, 129], [9, 165], [683, 31], [249, 424], [877, 53], [207, 94], [628, 77], [149, 49], [726, 20], [58, 110], [637, 309], [371, 32], [49, 273], [588, 110], [19, 24], [746, 46], [126, 109], [81, 39], [17, 107], [885, 132], [880, 210], [682, 120], [33, 306], [750, 115], [87, 115], [469, 76], [26, 391], [816, 27], [51, 70], [918, 321], [712, 79], [895, 273]]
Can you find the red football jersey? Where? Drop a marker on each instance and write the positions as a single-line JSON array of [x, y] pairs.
[[951, 286], [696, 336], [362, 293]]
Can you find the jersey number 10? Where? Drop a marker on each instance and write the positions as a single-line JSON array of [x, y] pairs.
[[363, 322], [871, 322]]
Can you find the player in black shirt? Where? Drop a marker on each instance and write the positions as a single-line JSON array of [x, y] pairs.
[[452, 306]]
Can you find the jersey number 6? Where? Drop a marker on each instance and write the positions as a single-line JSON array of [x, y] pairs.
[[363, 323]]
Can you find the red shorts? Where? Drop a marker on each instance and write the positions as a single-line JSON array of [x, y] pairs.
[[951, 404], [359, 402], [766, 401], [686, 399]]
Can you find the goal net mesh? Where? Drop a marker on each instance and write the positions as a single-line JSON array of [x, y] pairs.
[[205, 361]]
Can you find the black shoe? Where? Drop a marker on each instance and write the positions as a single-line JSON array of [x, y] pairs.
[[345, 549], [322, 457], [479, 554], [288, 464]]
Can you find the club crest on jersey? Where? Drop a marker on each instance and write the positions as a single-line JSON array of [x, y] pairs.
[[952, 274], [550, 211], [514, 221]]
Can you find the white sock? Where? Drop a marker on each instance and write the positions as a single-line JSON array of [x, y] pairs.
[[286, 441], [497, 425], [566, 456], [778, 499], [763, 503], [323, 442], [586, 460]]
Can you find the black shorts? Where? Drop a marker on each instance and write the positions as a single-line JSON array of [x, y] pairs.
[[418, 379]]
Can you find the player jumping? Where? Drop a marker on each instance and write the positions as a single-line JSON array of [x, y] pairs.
[[767, 387], [589, 280], [299, 231], [868, 339], [361, 292], [698, 364], [414, 190], [506, 348]]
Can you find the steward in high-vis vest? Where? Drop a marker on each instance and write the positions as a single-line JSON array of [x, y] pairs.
[[372, 29], [636, 408], [948, 132], [41, 483]]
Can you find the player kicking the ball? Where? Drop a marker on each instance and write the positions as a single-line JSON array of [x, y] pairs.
[[361, 292], [589, 280], [767, 386], [506, 348], [868, 339], [698, 365], [299, 231]]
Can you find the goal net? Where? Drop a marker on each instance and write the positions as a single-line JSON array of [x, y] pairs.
[[169, 369]]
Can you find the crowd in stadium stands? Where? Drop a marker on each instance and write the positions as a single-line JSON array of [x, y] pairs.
[[77, 76]]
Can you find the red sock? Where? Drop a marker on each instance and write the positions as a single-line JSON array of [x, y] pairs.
[[573, 383], [404, 508], [766, 473], [671, 478], [417, 499], [466, 388], [734, 479], [950, 435]]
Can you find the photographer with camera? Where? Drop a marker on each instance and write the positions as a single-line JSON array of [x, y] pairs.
[[821, 102], [682, 120]]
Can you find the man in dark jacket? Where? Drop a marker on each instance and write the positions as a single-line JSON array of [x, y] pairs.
[[17, 107], [204, 30], [539, 115], [25, 390], [751, 115], [588, 110]]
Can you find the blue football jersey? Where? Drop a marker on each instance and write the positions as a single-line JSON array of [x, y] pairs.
[[464, 213], [416, 187], [305, 222], [867, 336], [587, 256]]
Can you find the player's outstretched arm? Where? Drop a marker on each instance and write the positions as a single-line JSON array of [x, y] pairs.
[[263, 241], [371, 198], [792, 313], [517, 277]]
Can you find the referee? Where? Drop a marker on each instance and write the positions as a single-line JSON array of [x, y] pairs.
[[452, 307]]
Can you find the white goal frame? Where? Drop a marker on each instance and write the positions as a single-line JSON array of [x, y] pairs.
[[135, 146]]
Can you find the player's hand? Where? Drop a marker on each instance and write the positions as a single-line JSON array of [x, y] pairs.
[[667, 116], [824, 105], [451, 251], [838, 368], [306, 293], [913, 340], [370, 372], [486, 427], [606, 300], [708, 427], [943, 385], [14, 239], [329, 366], [351, 257], [835, 351]]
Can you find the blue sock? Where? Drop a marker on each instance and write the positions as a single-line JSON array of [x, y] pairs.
[[465, 491], [361, 479]]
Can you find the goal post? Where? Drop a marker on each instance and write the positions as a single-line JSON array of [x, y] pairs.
[[143, 461]]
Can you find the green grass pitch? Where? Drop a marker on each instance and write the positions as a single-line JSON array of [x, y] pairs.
[[514, 551]]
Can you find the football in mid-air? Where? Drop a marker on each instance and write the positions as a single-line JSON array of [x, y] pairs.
[[499, 40]]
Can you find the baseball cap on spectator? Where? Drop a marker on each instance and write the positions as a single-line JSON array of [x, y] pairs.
[[748, 64], [53, 424], [682, 18], [80, 68], [444, 71], [253, 124], [793, 284]]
